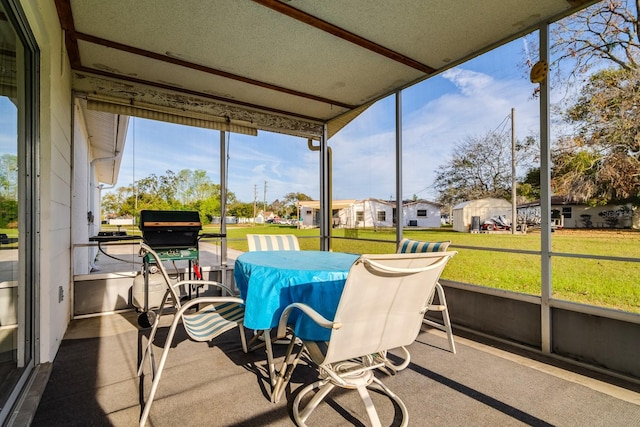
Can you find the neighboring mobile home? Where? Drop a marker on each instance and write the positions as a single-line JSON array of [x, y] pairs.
[[568, 213], [421, 213]]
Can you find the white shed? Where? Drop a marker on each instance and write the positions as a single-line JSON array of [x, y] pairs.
[[483, 208]]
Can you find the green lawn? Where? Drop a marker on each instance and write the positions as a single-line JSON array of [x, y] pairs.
[[612, 284]]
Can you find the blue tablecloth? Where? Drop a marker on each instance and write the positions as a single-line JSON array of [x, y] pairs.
[[271, 280]]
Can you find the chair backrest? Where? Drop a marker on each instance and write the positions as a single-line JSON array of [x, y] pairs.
[[212, 317], [383, 303], [273, 242], [417, 246]]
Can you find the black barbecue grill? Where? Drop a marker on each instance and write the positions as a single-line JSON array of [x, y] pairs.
[[170, 230]]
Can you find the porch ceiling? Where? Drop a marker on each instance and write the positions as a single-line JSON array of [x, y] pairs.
[[284, 66], [305, 60]]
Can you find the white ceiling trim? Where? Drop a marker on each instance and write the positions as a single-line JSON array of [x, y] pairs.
[[170, 115], [102, 88]]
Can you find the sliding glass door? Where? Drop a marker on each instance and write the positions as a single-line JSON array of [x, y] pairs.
[[18, 195]]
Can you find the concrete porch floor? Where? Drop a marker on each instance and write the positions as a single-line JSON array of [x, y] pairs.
[[93, 382]]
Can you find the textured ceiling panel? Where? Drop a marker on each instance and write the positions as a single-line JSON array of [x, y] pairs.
[[308, 59]]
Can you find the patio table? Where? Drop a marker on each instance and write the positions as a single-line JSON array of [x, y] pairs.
[[270, 280]]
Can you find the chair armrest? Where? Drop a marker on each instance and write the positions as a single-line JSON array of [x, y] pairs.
[[307, 310], [390, 269], [204, 300], [205, 282]]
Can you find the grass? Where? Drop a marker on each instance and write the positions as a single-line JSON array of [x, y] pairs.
[[612, 284]]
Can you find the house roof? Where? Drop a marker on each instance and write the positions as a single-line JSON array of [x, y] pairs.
[[421, 201], [286, 66], [340, 204], [483, 203], [555, 200], [336, 204]]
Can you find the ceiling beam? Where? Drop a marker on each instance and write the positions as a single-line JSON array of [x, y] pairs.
[[186, 64], [325, 26], [66, 22], [65, 16]]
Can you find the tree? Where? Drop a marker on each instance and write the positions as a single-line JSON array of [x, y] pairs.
[[600, 162], [605, 33], [9, 176], [187, 190], [480, 167], [8, 212], [529, 188], [241, 209]]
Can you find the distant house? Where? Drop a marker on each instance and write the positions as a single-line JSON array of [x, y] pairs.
[[367, 213], [567, 213], [484, 209], [309, 212], [372, 213], [263, 217], [421, 213]]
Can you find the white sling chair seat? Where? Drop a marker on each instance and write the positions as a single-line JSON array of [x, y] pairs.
[[381, 307]]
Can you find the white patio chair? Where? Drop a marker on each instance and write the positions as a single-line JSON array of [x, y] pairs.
[[204, 318], [273, 242], [417, 246], [381, 307]]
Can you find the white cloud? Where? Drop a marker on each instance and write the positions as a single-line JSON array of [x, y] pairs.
[[478, 104]]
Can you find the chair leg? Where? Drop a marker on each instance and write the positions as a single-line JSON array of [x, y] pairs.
[[243, 338], [368, 404], [148, 350], [156, 378], [271, 368], [324, 387], [286, 370], [442, 307], [389, 368], [399, 402]]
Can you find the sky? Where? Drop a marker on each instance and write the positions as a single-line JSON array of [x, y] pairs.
[[469, 100]]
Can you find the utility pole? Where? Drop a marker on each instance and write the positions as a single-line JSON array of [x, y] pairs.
[[265, 197], [255, 202], [514, 213]]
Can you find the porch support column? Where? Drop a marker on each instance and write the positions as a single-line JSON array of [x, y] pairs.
[[325, 193], [399, 207], [545, 199], [223, 202]]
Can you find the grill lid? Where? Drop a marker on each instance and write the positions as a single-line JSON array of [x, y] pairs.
[[170, 229]]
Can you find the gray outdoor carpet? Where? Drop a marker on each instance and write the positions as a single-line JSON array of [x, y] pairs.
[[93, 382]]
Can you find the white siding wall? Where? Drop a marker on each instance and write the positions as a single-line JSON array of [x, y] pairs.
[[410, 212], [307, 215], [597, 221], [81, 232], [55, 176]]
